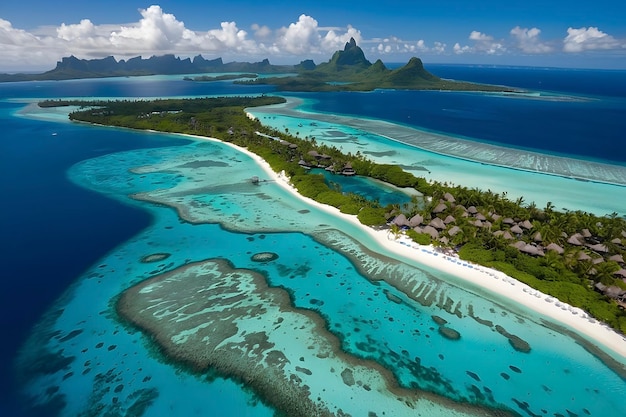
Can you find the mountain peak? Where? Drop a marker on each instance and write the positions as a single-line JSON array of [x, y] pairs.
[[351, 56], [350, 45]]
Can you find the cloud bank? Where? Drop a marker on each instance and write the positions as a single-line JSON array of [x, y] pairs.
[[589, 39], [158, 33]]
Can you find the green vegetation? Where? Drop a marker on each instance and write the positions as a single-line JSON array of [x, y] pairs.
[[224, 77], [349, 70], [482, 226]]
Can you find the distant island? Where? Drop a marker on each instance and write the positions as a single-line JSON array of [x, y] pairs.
[[347, 70], [73, 68], [224, 77]]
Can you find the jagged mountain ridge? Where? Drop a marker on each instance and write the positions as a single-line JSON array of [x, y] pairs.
[[348, 69], [72, 67]]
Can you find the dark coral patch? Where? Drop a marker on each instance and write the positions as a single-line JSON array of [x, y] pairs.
[[264, 257], [155, 257], [515, 369], [449, 333]]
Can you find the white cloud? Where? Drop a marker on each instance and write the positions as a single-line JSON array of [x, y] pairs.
[[439, 48], [84, 29], [155, 31], [483, 43], [458, 49], [23, 50], [394, 45], [9, 36], [261, 32], [300, 37], [334, 40], [527, 40], [589, 39], [480, 37], [158, 32]]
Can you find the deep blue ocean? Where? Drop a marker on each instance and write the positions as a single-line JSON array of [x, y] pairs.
[[48, 223], [52, 230], [582, 116]]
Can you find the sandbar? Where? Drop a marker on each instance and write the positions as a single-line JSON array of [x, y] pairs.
[[496, 283]]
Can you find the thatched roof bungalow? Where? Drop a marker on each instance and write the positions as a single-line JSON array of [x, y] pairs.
[[599, 248], [526, 224], [440, 208], [517, 230], [532, 250], [437, 223], [519, 244], [434, 233], [348, 170], [401, 220], [304, 164], [416, 220], [454, 230], [576, 239], [556, 248], [505, 234]]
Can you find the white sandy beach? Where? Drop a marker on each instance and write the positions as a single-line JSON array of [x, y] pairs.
[[491, 280]]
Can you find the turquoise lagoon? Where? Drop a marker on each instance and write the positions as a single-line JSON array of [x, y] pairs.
[[203, 207], [329, 267], [575, 184]]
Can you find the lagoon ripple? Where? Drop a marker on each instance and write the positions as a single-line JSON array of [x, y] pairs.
[[382, 329], [378, 309]]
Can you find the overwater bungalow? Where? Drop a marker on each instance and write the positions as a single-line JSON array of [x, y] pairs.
[[348, 170]]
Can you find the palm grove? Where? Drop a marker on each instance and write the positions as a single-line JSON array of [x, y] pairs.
[[574, 256]]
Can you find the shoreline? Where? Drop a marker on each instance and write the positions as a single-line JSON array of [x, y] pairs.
[[440, 143], [490, 280]]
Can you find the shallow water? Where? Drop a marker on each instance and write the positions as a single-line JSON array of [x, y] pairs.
[[352, 134], [94, 362], [329, 273]]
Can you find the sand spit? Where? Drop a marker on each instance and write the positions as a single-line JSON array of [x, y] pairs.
[[209, 315], [494, 282], [463, 148]]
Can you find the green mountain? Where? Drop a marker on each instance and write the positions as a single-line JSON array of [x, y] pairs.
[[73, 68], [349, 70], [351, 58]]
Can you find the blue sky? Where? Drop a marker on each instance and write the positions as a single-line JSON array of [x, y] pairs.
[[34, 34]]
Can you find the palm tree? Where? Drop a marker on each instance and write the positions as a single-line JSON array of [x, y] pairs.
[[548, 210], [395, 230], [605, 271]]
